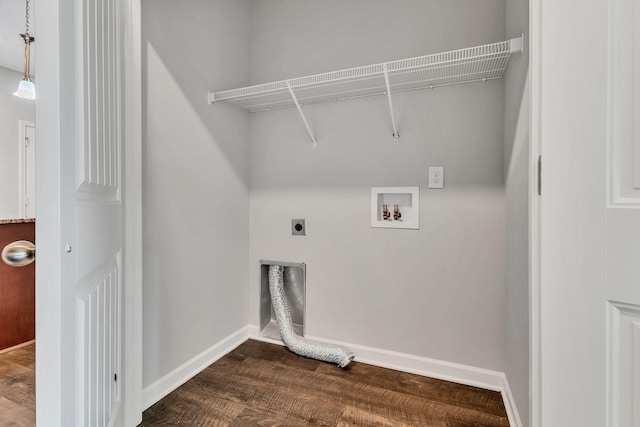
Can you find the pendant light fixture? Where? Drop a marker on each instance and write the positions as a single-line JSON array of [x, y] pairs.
[[26, 88]]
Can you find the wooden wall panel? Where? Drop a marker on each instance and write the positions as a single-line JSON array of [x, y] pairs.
[[17, 291]]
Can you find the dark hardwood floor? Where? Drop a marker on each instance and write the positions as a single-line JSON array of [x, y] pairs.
[[17, 387], [260, 384]]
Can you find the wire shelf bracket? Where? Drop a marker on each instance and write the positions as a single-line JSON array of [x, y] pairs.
[[304, 119], [396, 135], [473, 64]]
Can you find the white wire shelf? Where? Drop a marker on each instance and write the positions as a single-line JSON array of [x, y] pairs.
[[474, 64]]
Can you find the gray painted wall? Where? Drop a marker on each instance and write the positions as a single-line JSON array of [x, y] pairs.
[[195, 179], [437, 292], [517, 210], [12, 110]]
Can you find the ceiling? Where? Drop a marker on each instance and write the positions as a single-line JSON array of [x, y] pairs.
[[12, 23]]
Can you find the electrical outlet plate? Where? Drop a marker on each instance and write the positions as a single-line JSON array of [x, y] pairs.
[[436, 176]]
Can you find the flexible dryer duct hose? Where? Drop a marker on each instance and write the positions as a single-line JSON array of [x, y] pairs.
[[299, 345]]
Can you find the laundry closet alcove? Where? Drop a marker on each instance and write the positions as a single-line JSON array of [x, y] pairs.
[[226, 178]]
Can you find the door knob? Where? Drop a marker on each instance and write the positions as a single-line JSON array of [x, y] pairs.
[[19, 253]]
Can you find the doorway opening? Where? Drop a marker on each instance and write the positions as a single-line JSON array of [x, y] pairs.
[[17, 283]]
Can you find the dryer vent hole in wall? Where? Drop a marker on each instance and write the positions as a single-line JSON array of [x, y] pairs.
[[297, 344]]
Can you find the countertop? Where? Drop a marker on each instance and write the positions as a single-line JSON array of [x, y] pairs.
[[17, 220]]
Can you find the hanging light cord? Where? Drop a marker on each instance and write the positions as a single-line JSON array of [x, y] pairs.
[[27, 18], [28, 39], [26, 88]]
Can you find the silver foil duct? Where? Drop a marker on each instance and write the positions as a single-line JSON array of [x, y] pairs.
[[297, 344]]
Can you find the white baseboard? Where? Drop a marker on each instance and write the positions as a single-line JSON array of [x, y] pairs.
[[448, 371], [510, 404], [183, 373], [433, 368]]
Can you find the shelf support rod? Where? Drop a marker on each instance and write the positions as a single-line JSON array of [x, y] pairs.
[[304, 119], [396, 135]]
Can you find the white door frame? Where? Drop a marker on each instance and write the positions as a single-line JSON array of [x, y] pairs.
[[133, 218], [49, 355], [568, 226], [22, 165], [534, 214]]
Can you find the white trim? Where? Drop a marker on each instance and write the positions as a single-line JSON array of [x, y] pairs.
[[510, 404], [48, 181], [132, 351], [22, 134], [183, 373], [535, 82], [433, 368]]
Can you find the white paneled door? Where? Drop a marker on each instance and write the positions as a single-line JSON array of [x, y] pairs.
[[623, 215], [81, 114], [96, 203], [586, 60]]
